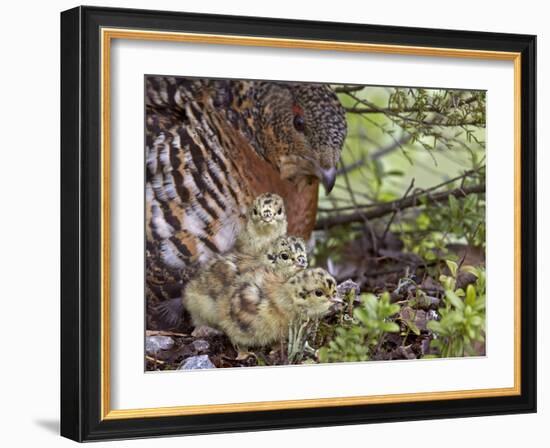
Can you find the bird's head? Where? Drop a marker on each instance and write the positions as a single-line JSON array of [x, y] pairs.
[[288, 253], [313, 292], [303, 127], [268, 210]]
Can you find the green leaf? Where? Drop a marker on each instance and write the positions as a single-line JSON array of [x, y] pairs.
[[476, 321], [361, 315], [423, 221], [454, 300], [389, 327], [453, 204], [393, 309], [453, 267], [453, 319], [394, 173], [412, 327], [434, 325], [470, 295]]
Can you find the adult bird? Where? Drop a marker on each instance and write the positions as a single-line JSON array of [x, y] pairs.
[[212, 146]]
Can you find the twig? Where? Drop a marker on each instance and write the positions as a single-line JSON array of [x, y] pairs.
[[371, 108], [347, 208], [297, 338], [463, 258], [389, 207], [368, 225], [411, 186], [466, 174], [463, 176], [388, 110], [348, 168], [155, 360], [396, 144], [348, 89], [163, 333]]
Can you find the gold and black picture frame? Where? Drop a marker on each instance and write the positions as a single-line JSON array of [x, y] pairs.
[[181, 131]]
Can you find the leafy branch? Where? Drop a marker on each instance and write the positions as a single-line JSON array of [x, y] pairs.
[[400, 204]]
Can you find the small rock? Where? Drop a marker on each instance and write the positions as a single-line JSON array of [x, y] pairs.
[[154, 344], [200, 345], [403, 353], [416, 317], [197, 362], [429, 284], [426, 302], [346, 288], [425, 346], [432, 315]]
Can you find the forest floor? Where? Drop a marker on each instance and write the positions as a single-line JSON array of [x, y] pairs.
[[401, 274]]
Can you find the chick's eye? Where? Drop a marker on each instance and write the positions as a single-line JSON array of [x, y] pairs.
[[279, 211], [255, 211], [284, 256], [299, 123], [318, 293]]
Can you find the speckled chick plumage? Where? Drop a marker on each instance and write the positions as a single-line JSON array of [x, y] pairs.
[[289, 253], [266, 221], [262, 305], [313, 292], [223, 275]]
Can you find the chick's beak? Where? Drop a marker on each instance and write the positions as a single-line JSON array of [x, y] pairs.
[[335, 303], [328, 178]]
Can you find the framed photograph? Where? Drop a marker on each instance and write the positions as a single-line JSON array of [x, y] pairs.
[[276, 224]]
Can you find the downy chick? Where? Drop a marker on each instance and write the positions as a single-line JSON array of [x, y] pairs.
[[222, 276], [287, 254], [266, 221], [263, 303], [313, 292]]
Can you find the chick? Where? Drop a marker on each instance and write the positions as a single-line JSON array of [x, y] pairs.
[[290, 252], [313, 292], [221, 276], [266, 221], [287, 255], [263, 303]]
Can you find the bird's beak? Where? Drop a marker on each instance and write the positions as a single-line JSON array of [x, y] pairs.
[[336, 299], [328, 178], [267, 216]]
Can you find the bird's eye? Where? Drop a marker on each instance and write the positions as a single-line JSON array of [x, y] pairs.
[[284, 256], [318, 293], [255, 211], [299, 123], [279, 211]]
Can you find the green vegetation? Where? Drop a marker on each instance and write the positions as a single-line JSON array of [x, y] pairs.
[[365, 333], [462, 321], [406, 222]]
